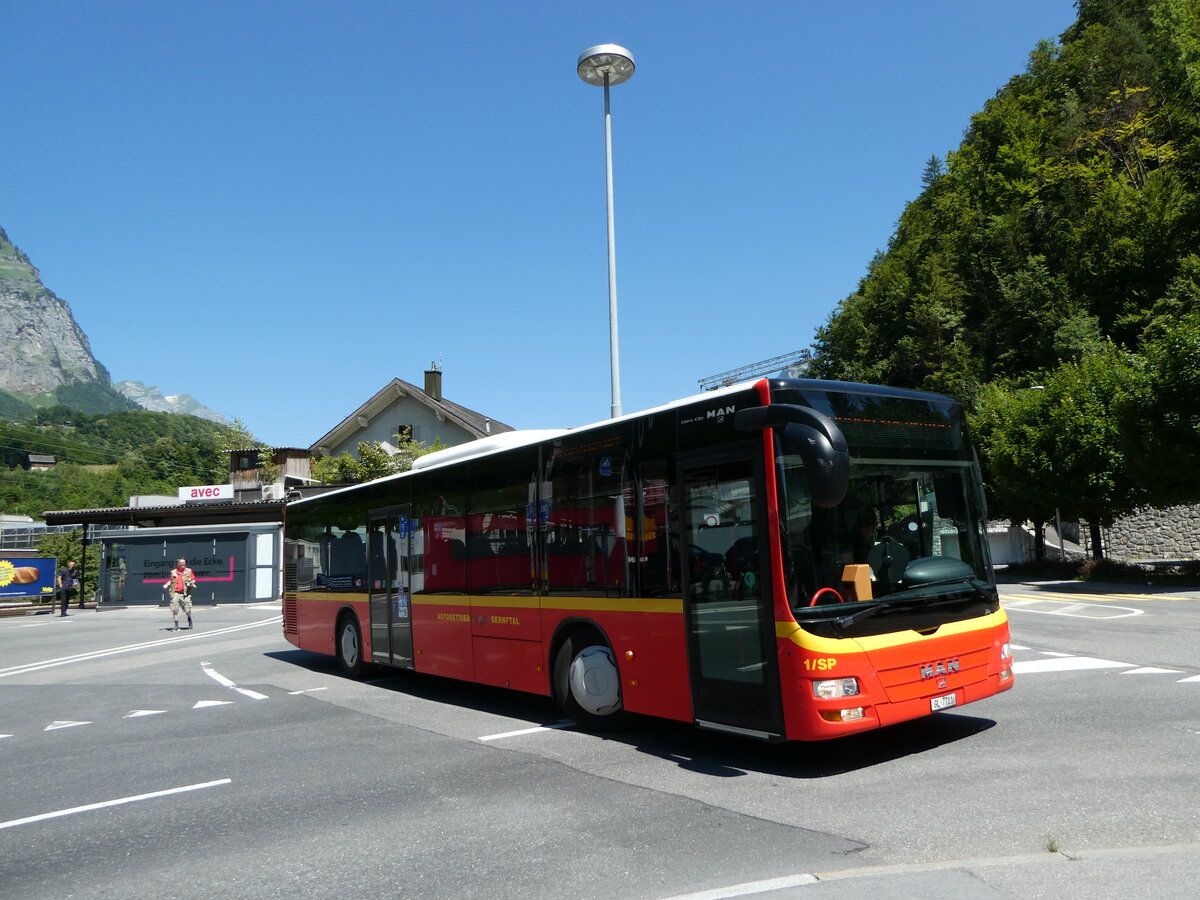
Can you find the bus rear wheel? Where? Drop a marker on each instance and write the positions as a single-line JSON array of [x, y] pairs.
[[348, 639], [588, 684]]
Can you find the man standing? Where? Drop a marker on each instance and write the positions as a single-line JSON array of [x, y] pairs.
[[180, 585], [68, 586]]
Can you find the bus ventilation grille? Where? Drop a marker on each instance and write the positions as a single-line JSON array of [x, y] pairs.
[[290, 618]]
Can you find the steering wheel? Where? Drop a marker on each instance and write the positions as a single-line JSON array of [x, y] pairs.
[[825, 590]]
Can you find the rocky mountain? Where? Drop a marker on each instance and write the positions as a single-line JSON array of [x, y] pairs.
[[153, 399], [45, 357]]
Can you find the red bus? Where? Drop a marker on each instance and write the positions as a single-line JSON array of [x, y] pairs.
[[784, 559]]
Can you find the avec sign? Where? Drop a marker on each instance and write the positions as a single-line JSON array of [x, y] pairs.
[[207, 492]]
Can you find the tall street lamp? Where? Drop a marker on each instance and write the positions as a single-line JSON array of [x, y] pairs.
[[607, 65]]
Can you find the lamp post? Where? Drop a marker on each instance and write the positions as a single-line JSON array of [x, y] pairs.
[[607, 65]]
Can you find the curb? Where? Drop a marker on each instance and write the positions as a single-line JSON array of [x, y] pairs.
[[40, 609]]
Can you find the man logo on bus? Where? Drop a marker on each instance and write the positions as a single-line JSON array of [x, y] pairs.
[[941, 667], [720, 414]]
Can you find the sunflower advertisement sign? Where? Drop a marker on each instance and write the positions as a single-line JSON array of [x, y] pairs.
[[27, 577]]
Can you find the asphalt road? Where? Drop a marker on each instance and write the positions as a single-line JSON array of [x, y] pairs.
[[139, 762]]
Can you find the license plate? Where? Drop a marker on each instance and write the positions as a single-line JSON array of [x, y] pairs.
[[943, 702]]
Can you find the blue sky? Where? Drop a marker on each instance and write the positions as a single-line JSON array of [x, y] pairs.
[[278, 206]]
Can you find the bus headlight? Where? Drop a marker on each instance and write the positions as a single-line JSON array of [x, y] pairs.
[[835, 687], [1005, 663]]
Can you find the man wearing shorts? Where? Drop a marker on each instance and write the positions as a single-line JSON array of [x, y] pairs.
[[179, 586]]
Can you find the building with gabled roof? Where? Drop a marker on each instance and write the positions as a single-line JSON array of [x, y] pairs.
[[39, 462], [402, 408]]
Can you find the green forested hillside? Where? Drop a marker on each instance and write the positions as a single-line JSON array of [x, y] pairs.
[[13, 407], [104, 459], [1049, 272]]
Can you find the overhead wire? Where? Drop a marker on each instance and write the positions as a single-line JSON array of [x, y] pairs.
[[114, 457]]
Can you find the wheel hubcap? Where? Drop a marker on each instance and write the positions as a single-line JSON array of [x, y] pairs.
[[349, 645], [594, 682]]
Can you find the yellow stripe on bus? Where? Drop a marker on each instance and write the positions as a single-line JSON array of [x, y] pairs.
[[790, 631], [786, 630], [484, 601], [326, 596], [567, 604]]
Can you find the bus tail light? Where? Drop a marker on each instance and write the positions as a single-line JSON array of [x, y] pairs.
[[836, 687]]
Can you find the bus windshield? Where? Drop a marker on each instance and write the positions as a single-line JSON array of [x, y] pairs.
[[911, 517]]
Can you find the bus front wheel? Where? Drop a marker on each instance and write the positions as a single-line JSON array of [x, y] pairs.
[[588, 684], [349, 646]]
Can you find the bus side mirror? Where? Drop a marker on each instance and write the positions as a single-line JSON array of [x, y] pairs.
[[815, 438], [948, 494]]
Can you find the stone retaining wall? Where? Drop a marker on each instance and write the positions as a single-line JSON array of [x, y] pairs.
[[1154, 534]]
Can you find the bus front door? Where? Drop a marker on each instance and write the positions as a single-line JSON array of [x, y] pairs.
[[727, 591], [389, 541]]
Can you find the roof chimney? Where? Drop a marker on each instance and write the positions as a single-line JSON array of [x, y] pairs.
[[433, 381]]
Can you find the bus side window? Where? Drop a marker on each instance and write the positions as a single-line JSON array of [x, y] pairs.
[[658, 546], [348, 560], [586, 546], [441, 566], [497, 540]]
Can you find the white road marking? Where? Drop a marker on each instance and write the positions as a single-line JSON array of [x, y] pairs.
[[55, 726], [2, 736], [222, 680], [1092, 596], [745, 889], [13, 823], [508, 734], [137, 713], [308, 691], [1067, 664], [97, 654], [1077, 610], [204, 704]]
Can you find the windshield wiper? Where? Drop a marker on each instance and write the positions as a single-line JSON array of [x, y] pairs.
[[909, 600]]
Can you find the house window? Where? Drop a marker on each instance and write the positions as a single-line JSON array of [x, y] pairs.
[[404, 432]]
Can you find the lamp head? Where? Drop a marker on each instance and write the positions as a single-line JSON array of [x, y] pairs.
[[605, 59]]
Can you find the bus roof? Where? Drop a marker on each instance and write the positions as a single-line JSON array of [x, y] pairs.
[[512, 439]]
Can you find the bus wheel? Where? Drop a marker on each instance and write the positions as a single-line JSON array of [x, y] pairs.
[[349, 646], [588, 684]]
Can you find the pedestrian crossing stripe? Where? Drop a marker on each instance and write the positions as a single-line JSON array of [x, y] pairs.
[[54, 726], [1064, 662], [206, 703]]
